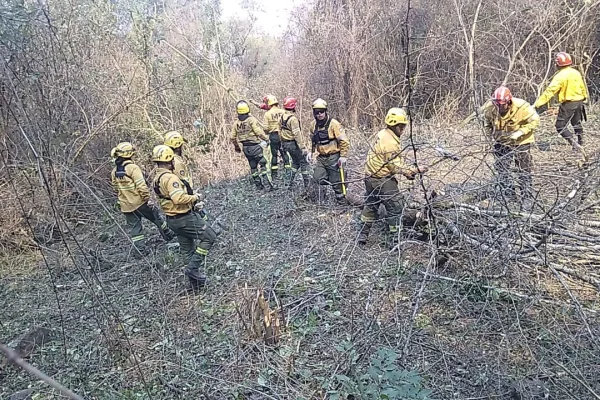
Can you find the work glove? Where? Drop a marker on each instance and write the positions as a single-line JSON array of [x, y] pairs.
[[263, 144], [515, 135], [309, 157], [342, 161], [117, 205], [199, 206]]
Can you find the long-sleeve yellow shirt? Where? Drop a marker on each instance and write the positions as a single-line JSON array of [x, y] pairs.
[[248, 131], [182, 170], [172, 196], [131, 189], [385, 156], [289, 127], [521, 116], [272, 119], [330, 141], [568, 83]]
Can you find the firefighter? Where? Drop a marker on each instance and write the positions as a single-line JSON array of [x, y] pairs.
[[384, 161], [572, 92], [511, 123], [332, 146], [263, 105], [249, 132], [182, 217], [272, 117], [133, 196], [175, 141], [290, 132]]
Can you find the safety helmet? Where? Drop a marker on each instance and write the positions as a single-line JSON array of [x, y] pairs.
[[123, 150], [243, 107], [271, 100], [162, 153], [290, 103], [319, 104], [501, 95], [396, 116], [174, 139], [563, 59]]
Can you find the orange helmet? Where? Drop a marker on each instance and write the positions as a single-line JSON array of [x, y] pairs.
[[501, 95], [563, 59]]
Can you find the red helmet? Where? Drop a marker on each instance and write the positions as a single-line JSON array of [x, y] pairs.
[[563, 59], [290, 103], [502, 95]]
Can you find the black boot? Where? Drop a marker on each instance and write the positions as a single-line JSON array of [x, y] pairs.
[[258, 182], [194, 273]]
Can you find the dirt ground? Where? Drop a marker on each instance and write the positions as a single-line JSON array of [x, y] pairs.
[[123, 328]]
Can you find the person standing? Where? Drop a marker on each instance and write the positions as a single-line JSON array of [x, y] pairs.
[[384, 161], [250, 134], [180, 207], [290, 132], [272, 117], [569, 85], [332, 145], [511, 123], [133, 197]]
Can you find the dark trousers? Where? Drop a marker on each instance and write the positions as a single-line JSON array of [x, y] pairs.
[[191, 228], [504, 156], [134, 222], [328, 172], [383, 190], [276, 149], [570, 112], [255, 156]]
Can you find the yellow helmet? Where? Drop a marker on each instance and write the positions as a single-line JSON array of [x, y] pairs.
[[174, 139], [243, 107], [271, 100], [396, 116], [162, 153], [319, 104], [123, 150]]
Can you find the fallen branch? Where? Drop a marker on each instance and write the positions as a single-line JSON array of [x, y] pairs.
[[14, 358]]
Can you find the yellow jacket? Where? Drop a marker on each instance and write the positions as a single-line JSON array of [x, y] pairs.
[[334, 140], [569, 85], [384, 158], [182, 170], [289, 126], [172, 196], [520, 117], [248, 131], [132, 189], [272, 117]]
